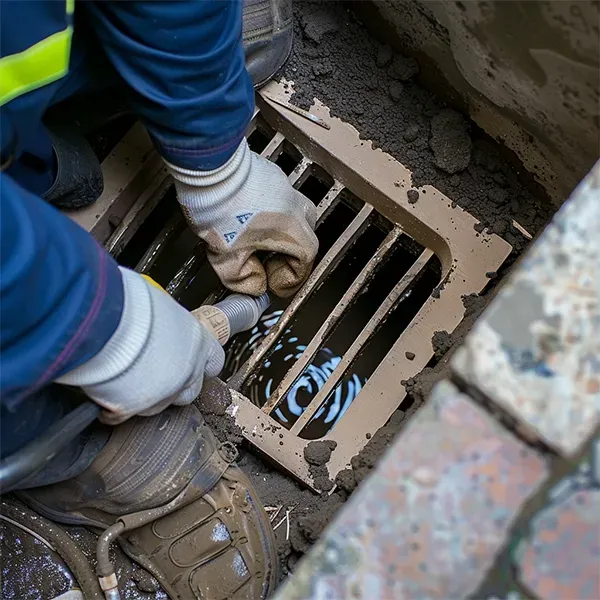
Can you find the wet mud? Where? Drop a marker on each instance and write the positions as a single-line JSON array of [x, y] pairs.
[[375, 89]]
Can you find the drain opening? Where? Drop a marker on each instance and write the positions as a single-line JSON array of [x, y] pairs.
[[306, 322], [317, 184], [259, 139], [133, 251], [289, 158], [372, 354]]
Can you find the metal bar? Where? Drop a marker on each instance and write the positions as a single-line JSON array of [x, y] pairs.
[[329, 202], [253, 122], [174, 225], [350, 355], [325, 266], [332, 320], [300, 174], [138, 213], [274, 147], [187, 272]]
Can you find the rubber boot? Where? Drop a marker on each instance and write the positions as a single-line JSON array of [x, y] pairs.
[[267, 37], [78, 180], [185, 504]]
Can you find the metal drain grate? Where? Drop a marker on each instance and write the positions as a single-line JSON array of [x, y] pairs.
[[340, 161]]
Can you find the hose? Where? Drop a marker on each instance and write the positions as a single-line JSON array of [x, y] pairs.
[[243, 312], [38, 453], [65, 547]]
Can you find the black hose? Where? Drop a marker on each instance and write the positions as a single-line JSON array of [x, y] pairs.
[[37, 454], [64, 545]]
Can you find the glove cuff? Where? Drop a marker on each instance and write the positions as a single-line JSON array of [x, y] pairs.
[[240, 161], [127, 342]]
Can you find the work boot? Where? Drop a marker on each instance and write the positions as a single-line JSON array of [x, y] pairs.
[[78, 181], [267, 37], [185, 504]]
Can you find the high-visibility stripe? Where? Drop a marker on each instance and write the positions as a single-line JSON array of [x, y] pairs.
[[42, 63], [38, 65]]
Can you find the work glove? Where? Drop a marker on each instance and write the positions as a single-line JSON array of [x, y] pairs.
[[246, 211], [158, 355]]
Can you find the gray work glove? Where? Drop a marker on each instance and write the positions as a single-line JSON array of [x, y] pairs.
[[158, 355], [248, 206]]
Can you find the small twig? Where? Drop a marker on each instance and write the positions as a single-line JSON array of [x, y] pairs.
[[274, 516], [280, 522], [287, 529], [332, 489]]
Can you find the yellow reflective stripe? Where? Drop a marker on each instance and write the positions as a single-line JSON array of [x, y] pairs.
[[70, 7], [42, 63], [153, 283]]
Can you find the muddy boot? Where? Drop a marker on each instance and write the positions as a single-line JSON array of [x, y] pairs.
[[78, 180], [267, 37], [177, 499]]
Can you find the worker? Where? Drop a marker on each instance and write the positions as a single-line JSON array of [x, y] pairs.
[[72, 318]]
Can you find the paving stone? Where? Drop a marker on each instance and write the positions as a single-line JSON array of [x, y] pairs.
[[430, 520], [562, 557], [536, 350]]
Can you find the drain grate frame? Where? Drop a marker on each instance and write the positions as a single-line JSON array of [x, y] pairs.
[[379, 180]]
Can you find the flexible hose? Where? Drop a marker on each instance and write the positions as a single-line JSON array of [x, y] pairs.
[[243, 312], [65, 547]]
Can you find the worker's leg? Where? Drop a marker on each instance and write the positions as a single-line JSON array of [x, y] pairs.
[[33, 417], [211, 538]]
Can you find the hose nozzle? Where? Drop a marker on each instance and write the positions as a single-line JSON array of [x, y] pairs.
[[234, 314]]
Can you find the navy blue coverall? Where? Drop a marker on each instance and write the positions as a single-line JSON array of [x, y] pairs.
[[181, 64]]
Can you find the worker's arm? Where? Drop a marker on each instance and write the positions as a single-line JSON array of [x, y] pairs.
[[69, 314], [184, 64], [61, 295]]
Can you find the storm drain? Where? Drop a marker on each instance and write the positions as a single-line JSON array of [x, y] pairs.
[[392, 269]]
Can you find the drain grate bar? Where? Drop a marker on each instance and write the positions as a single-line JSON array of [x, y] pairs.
[[139, 212], [188, 271], [253, 122], [300, 174], [350, 355], [329, 202], [175, 225], [332, 320], [274, 148], [325, 266]]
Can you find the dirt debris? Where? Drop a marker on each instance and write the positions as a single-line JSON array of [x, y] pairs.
[[317, 455], [450, 141], [413, 125], [413, 196]]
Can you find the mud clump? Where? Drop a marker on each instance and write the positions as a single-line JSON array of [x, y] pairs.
[[450, 141], [317, 24], [441, 342], [413, 196], [317, 455], [385, 56], [213, 404], [403, 68]]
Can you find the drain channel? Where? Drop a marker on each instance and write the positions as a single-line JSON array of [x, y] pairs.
[[327, 363]]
